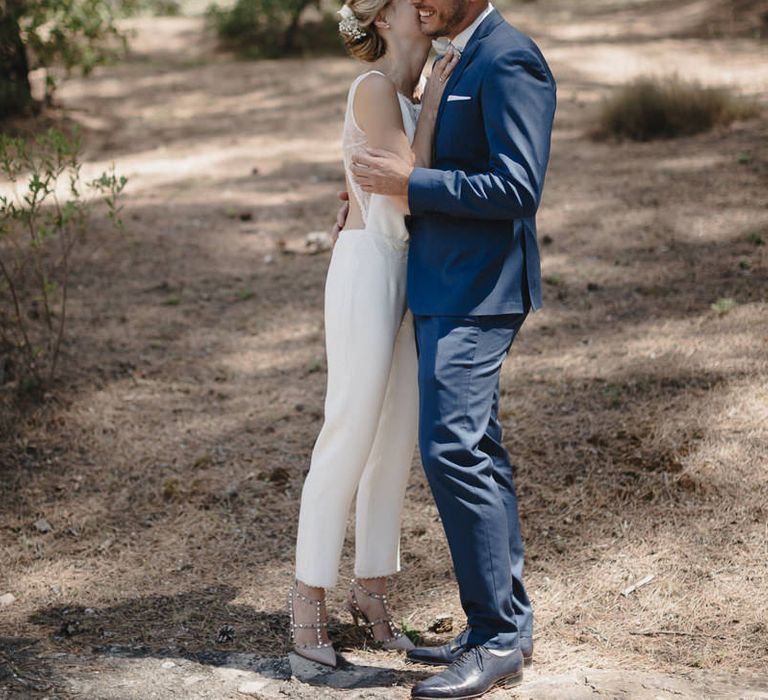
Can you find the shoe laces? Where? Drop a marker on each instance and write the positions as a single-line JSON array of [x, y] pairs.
[[471, 655]]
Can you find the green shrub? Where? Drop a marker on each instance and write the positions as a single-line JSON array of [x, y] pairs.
[[42, 224], [165, 8], [723, 305], [658, 108], [276, 28]]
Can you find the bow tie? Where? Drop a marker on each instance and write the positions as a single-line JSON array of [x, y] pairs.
[[442, 44]]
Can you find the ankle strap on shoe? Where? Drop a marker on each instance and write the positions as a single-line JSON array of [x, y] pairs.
[[317, 625], [305, 598], [372, 594]]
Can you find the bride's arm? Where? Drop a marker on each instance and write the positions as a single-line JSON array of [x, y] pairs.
[[377, 112]]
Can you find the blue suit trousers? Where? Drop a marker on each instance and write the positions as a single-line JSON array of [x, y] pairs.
[[469, 471]]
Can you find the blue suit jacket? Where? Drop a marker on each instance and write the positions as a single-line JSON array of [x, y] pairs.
[[473, 244]]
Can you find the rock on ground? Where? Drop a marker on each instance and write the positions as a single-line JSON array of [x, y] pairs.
[[241, 676]]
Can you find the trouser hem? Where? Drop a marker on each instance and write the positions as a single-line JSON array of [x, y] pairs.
[[317, 583], [376, 574]]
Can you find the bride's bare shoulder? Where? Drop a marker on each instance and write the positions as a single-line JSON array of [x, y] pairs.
[[374, 86], [375, 99]]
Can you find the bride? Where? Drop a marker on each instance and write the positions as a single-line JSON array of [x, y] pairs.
[[368, 437]]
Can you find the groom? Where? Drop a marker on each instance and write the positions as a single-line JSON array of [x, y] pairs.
[[473, 276]]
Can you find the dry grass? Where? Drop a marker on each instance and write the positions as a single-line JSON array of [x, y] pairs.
[[661, 108], [170, 458]]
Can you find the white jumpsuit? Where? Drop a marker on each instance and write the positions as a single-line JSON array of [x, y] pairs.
[[371, 406]]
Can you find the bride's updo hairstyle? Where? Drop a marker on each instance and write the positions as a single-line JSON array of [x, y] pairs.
[[366, 43]]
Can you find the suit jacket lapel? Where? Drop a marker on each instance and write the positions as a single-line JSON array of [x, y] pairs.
[[486, 27]]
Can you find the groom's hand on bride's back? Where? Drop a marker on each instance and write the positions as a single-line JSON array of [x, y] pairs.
[[383, 172], [341, 216]]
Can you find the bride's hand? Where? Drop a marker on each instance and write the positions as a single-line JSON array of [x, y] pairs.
[[341, 216], [433, 92]]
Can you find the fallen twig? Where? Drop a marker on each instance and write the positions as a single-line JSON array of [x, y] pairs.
[[675, 633], [639, 584]]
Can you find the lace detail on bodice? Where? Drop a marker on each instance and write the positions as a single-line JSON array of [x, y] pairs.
[[354, 138]]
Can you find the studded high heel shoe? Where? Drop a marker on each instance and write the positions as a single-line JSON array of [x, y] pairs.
[[322, 652], [398, 639]]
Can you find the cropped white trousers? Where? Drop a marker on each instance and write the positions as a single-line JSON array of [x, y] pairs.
[[371, 414]]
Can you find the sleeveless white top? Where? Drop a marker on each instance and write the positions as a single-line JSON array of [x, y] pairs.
[[380, 215]]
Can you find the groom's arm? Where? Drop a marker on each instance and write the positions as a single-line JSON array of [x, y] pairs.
[[518, 105]]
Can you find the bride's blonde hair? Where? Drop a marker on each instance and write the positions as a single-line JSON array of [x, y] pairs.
[[371, 46]]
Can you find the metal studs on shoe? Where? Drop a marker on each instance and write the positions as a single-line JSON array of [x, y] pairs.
[[322, 652], [397, 638]]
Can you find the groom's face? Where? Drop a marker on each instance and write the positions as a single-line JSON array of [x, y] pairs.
[[441, 17]]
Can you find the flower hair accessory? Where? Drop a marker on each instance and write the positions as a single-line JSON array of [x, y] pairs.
[[349, 25]]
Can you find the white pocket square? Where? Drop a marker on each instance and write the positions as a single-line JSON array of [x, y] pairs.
[[457, 98]]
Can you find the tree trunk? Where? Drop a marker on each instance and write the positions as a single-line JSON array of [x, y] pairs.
[[15, 92], [289, 38]]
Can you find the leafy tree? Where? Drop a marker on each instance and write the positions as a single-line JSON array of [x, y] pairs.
[[267, 28], [72, 33]]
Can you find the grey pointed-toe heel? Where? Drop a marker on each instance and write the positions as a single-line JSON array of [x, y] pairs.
[[322, 652]]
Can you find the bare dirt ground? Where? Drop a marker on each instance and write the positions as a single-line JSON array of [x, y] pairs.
[[170, 457]]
